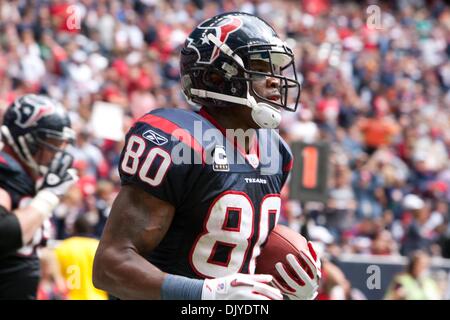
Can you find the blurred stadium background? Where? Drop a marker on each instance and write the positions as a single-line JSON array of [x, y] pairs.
[[375, 111]]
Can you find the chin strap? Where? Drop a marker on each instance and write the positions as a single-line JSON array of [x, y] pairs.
[[263, 114], [266, 116], [220, 96]]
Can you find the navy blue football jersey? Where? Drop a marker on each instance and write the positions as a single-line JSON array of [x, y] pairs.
[[226, 201], [14, 179], [19, 272]]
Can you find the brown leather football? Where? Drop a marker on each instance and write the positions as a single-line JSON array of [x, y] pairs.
[[282, 241]]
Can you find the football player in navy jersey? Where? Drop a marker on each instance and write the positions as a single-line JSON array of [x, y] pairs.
[[201, 190], [34, 172]]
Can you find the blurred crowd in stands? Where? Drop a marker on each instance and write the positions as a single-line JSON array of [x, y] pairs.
[[378, 93]]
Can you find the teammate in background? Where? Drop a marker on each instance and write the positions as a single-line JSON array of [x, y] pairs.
[[34, 172], [193, 230]]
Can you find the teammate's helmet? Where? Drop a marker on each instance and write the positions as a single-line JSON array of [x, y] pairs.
[[224, 46], [29, 122]]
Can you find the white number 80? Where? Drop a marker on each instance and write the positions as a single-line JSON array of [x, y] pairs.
[[134, 151]]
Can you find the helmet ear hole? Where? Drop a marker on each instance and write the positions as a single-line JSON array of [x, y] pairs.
[[213, 78], [238, 88]]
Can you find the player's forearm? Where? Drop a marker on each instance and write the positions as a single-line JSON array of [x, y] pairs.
[[30, 221], [127, 275], [33, 216], [24, 225]]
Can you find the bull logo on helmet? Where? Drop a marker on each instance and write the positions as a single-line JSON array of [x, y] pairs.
[[221, 28]]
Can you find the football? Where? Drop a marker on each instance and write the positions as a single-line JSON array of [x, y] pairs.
[[282, 241]]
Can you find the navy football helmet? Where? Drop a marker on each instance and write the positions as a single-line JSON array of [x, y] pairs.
[[224, 46], [29, 122]]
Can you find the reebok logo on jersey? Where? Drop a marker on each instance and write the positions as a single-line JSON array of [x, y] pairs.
[[154, 137]]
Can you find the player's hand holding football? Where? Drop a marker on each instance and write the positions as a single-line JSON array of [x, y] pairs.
[[304, 284], [56, 182], [240, 287]]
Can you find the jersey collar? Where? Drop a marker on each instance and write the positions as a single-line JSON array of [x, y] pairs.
[[254, 147]]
